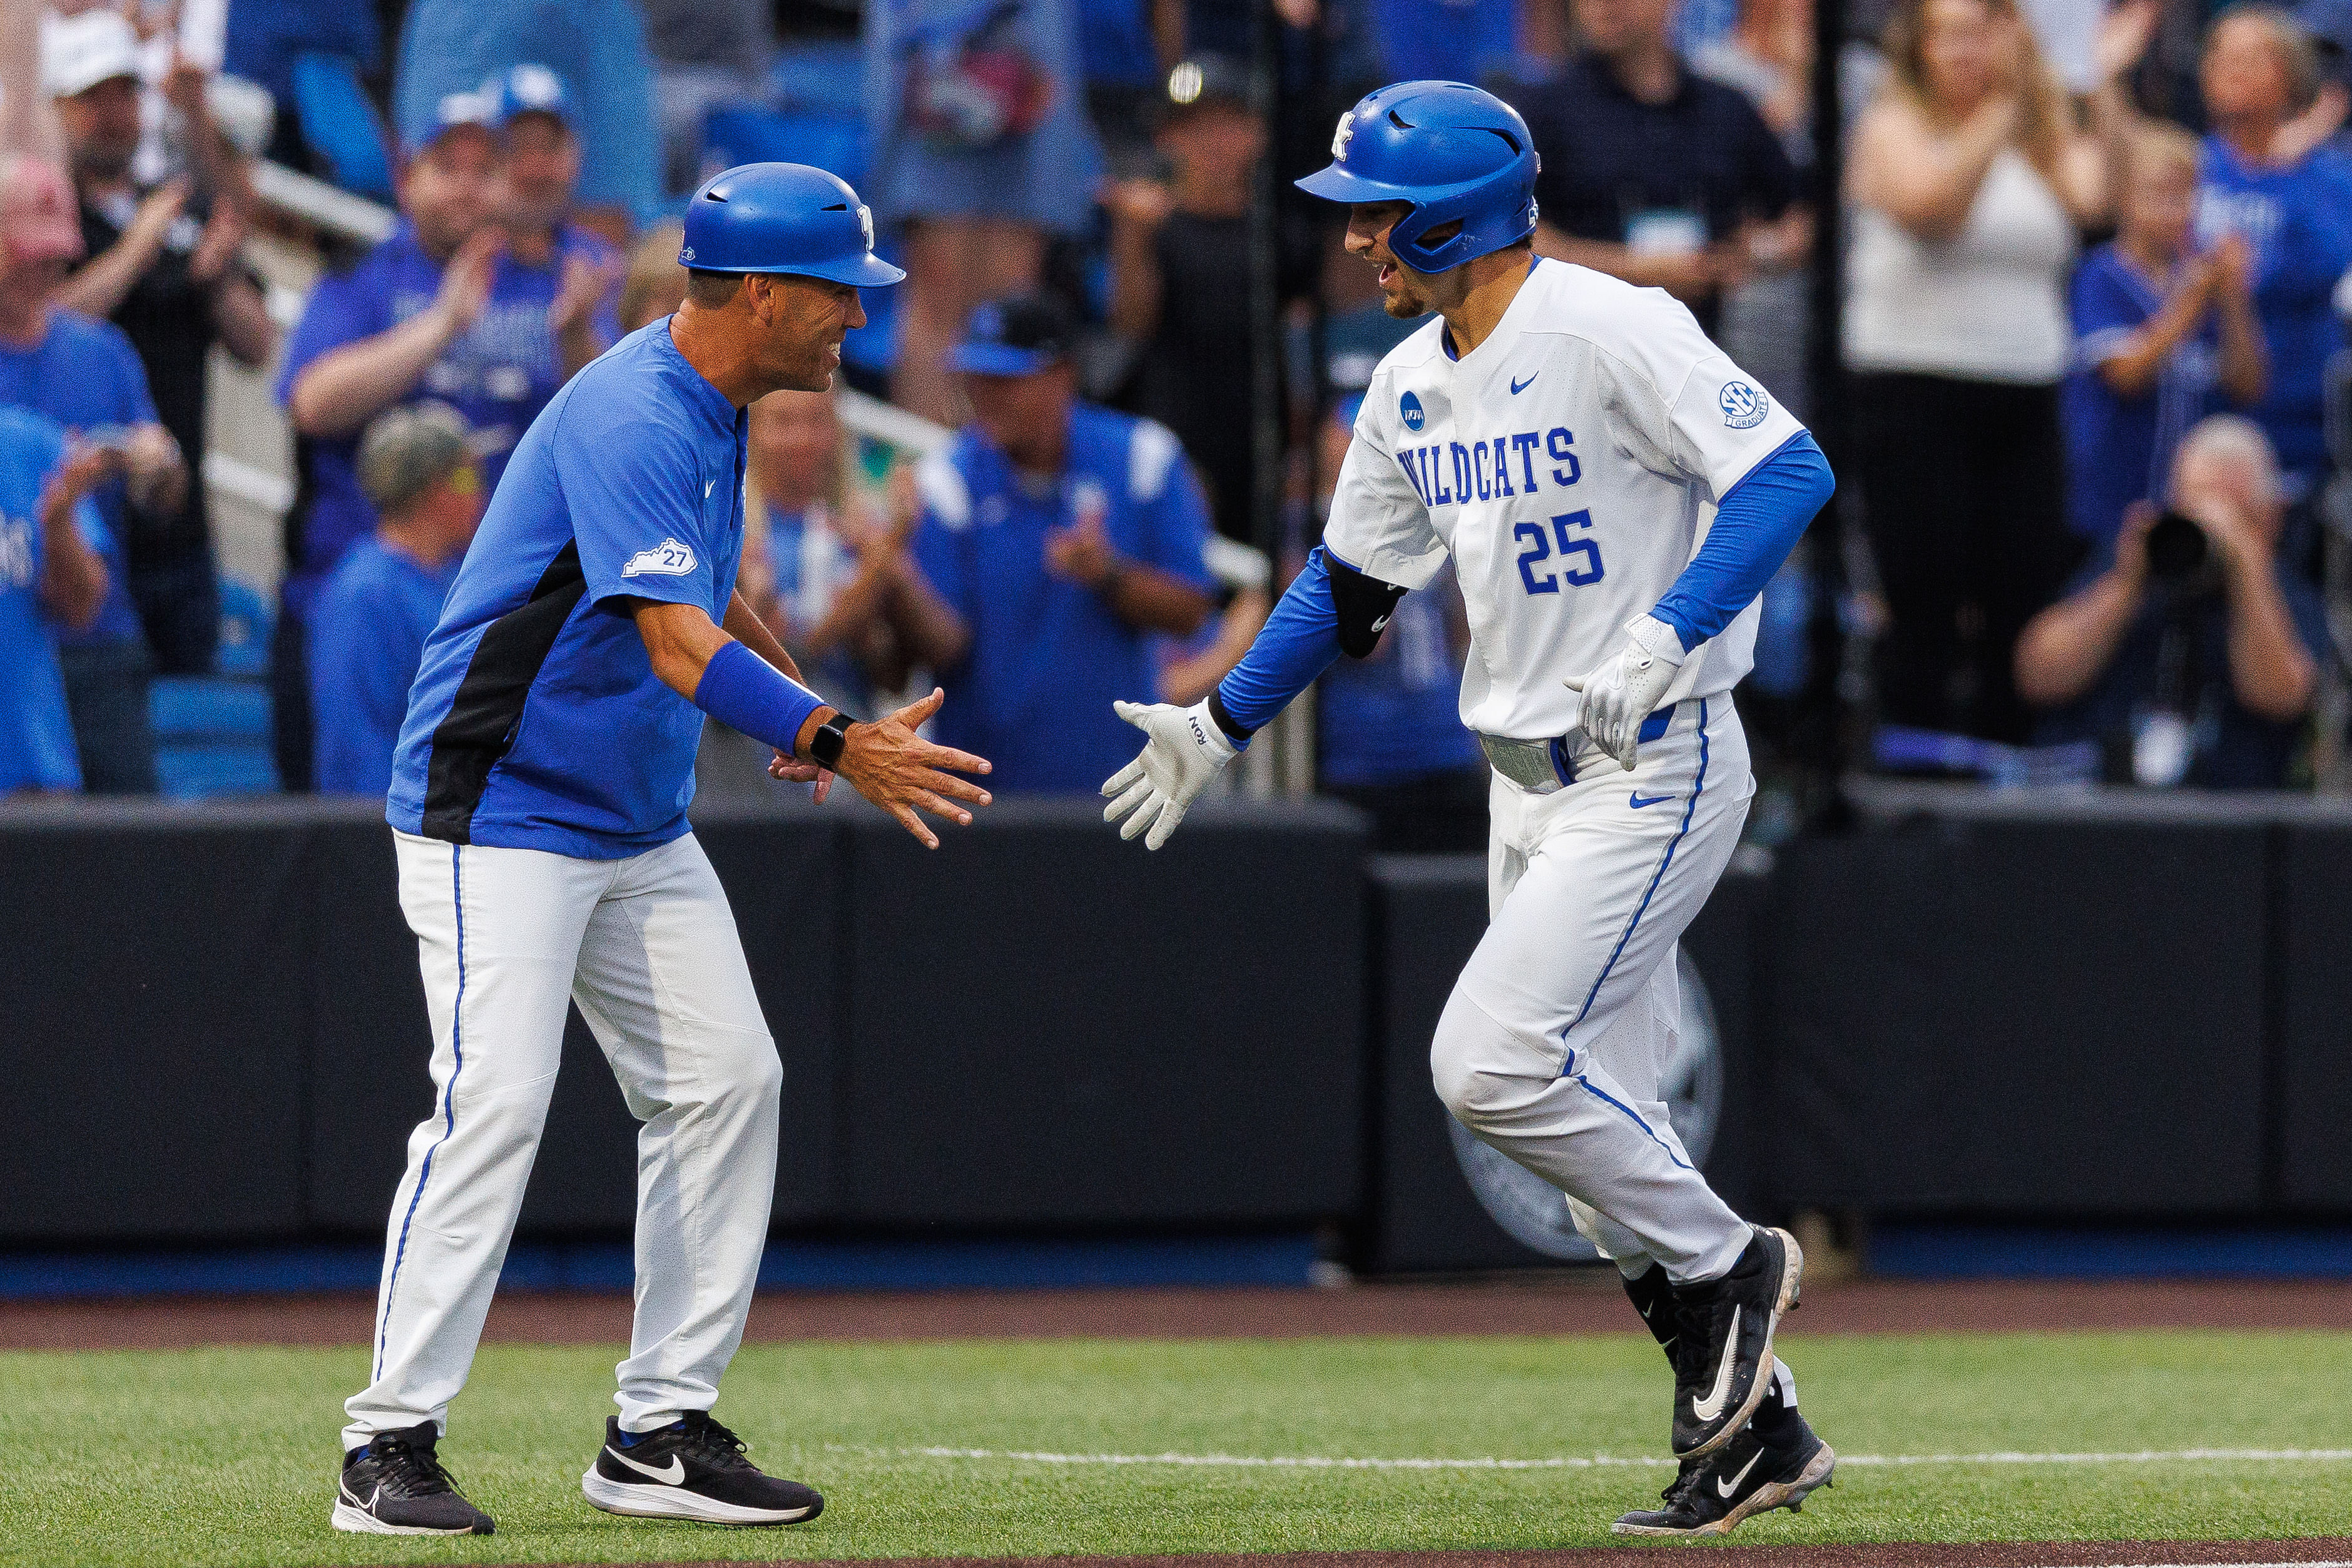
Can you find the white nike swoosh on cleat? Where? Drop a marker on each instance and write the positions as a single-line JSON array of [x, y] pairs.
[[1710, 1407], [674, 1476], [1725, 1489]]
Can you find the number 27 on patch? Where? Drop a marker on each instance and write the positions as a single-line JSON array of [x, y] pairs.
[[1571, 546]]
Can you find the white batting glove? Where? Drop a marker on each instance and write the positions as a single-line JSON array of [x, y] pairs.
[[1625, 690], [1184, 753]]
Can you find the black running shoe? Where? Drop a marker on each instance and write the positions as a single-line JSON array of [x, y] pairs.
[[1723, 1354], [396, 1485], [1746, 1477], [691, 1468]]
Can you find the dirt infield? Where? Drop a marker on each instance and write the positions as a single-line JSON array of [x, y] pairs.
[[1993, 1554], [1563, 1304]]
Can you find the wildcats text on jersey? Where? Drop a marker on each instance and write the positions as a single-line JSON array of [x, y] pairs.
[[1449, 472]]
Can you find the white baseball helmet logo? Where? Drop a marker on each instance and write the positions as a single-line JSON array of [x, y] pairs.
[[865, 223], [1339, 137]]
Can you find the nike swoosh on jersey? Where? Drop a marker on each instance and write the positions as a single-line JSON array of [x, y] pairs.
[[675, 1475], [1518, 386], [1725, 1489], [708, 488], [1637, 803], [1710, 1407]]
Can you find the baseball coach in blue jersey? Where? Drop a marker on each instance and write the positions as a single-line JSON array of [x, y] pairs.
[[539, 800]]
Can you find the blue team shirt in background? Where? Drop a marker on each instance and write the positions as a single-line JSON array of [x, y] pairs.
[[367, 637], [1115, 47], [1033, 694], [1443, 40], [2120, 450], [536, 722], [36, 740], [1397, 715], [498, 375], [2298, 223], [597, 47], [83, 376]]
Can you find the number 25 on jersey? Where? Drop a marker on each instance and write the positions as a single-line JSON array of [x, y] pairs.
[[1580, 557]]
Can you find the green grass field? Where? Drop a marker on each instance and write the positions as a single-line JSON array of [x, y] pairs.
[[223, 1457]]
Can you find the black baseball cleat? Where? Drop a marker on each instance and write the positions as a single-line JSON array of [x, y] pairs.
[[1723, 1352], [1744, 1478], [691, 1468], [396, 1485]]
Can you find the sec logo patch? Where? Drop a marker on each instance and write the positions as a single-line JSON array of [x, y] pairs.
[[1408, 410], [1744, 407]]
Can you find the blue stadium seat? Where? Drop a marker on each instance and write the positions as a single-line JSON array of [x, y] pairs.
[[829, 77], [340, 125], [212, 732], [736, 134], [247, 622]]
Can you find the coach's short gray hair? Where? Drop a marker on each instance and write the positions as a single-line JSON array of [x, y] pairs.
[[2233, 437]]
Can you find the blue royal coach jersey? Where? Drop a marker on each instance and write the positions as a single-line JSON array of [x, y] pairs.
[[537, 721]]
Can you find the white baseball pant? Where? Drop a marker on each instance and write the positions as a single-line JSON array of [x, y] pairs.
[[647, 948], [1550, 1047]]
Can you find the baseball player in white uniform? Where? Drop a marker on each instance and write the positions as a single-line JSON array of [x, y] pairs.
[[538, 801], [1613, 492]]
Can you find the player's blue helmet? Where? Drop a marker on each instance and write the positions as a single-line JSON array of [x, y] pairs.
[[1453, 151], [783, 217]]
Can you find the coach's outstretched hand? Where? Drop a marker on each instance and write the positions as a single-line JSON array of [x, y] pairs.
[[899, 771], [1184, 753]]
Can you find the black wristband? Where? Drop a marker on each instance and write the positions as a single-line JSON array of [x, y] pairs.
[[826, 746], [1234, 729]]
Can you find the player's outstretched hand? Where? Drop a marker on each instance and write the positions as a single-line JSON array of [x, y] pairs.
[[899, 771], [1183, 753], [1624, 691]]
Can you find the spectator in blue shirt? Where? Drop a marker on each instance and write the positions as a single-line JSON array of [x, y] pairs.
[[51, 580], [2294, 215], [1062, 535], [599, 49], [86, 376], [1652, 172], [2191, 667], [2160, 337], [450, 309], [383, 601], [539, 126], [1392, 739]]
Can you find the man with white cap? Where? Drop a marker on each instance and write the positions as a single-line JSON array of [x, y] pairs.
[[163, 265]]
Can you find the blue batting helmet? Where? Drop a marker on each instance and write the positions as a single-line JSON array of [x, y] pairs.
[[1451, 151], [783, 217]]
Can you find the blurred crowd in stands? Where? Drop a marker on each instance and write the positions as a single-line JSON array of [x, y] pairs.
[[2085, 399]]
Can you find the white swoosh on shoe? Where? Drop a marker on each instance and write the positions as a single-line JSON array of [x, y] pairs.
[[675, 1475], [1710, 1407], [1725, 1489]]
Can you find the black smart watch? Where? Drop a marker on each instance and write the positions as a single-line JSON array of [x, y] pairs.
[[830, 737]]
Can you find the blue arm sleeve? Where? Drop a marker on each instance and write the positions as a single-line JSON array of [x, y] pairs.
[[1755, 528], [1300, 640], [743, 690]]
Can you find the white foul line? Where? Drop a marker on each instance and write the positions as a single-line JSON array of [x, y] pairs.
[[1595, 1461]]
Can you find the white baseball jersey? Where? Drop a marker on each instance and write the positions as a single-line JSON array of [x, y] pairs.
[[1570, 464]]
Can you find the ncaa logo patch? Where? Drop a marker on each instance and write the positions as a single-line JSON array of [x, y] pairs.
[[1408, 410], [1744, 407]]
